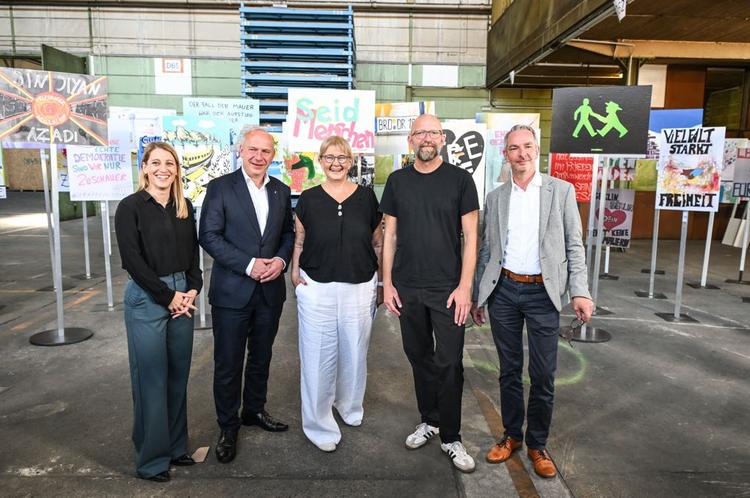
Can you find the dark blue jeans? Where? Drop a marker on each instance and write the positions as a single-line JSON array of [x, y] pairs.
[[160, 349], [510, 305]]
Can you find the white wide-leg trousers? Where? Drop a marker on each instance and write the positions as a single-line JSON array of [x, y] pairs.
[[335, 320]]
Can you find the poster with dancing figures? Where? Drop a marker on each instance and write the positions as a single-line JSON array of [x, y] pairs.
[[46, 107], [205, 153], [464, 147], [689, 169]]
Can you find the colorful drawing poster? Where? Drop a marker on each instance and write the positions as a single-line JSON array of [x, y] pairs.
[[621, 169], [302, 171], [205, 153], [464, 147], [318, 113], [741, 181], [690, 162], [618, 217], [99, 173], [44, 107], [497, 169], [236, 112], [576, 169], [396, 118], [139, 122]]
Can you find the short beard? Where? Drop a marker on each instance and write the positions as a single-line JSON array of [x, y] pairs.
[[428, 152]]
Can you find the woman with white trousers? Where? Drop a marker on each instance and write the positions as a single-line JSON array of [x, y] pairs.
[[335, 275]]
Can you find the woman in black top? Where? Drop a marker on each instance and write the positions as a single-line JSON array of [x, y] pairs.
[[334, 272], [158, 245]]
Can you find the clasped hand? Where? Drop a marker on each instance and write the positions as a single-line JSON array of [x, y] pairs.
[[266, 269], [182, 303]]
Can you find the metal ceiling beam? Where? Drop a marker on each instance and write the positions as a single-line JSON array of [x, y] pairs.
[[662, 49]]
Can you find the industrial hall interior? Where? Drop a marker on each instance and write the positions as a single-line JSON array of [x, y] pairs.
[[433, 248]]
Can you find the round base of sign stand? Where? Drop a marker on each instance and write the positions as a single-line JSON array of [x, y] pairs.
[[586, 334], [71, 335], [656, 272], [684, 318], [697, 285], [197, 322], [83, 276], [656, 295], [608, 276]]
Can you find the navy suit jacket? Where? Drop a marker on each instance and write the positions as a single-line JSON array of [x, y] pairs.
[[230, 233]]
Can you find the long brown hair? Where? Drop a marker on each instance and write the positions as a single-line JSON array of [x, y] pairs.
[[175, 192]]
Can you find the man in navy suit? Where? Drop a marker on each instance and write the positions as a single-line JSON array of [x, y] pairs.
[[246, 226]]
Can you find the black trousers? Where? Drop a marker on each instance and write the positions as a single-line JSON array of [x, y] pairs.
[[252, 329], [434, 344], [510, 305]]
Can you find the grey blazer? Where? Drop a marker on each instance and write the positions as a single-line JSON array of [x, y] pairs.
[[563, 258]]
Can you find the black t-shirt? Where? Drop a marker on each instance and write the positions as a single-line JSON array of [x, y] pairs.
[[338, 236], [428, 208]]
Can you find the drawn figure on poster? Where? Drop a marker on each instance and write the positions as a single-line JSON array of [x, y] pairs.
[[582, 115], [611, 120], [299, 167]]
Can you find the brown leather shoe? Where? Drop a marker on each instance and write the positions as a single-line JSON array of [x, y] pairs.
[[543, 464], [503, 450]]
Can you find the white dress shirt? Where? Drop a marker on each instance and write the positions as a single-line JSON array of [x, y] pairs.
[[522, 240], [259, 196]]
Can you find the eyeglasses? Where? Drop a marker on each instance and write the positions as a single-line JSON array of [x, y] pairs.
[[420, 134], [328, 159]]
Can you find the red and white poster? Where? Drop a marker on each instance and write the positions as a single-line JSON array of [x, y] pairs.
[[575, 169]]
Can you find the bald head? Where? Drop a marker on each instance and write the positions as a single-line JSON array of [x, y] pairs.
[[426, 138]]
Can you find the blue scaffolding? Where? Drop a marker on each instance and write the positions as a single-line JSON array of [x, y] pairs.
[[283, 47]]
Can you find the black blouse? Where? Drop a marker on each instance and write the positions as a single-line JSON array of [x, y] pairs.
[[153, 243], [338, 236]]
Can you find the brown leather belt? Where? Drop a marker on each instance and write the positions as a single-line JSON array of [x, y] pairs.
[[524, 279]]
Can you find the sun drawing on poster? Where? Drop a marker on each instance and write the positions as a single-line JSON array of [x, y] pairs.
[[44, 104]]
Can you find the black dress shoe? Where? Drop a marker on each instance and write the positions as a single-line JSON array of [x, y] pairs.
[[183, 461], [161, 477], [226, 448], [265, 422]]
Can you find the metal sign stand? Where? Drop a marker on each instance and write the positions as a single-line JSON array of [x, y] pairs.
[[606, 275], [204, 319], [743, 252], [677, 316], [107, 255], [587, 333], [650, 294], [61, 335], [703, 284], [592, 204], [86, 254], [654, 243]]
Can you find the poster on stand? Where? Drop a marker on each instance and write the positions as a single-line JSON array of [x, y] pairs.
[[46, 107], [464, 147], [731, 145], [741, 181], [205, 153], [237, 113], [690, 162], [139, 122], [575, 169], [318, 113], [618, 217], [99, 173]]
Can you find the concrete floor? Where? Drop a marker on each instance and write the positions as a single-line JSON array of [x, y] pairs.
[[661, 410]]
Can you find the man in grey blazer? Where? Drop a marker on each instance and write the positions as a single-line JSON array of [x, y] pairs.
[[531, 255]]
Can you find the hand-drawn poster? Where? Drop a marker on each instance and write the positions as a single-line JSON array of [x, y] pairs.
[[139, 122], [396, 118], [497, 169], [205, 153], [43, 107], [731, 145], [318, 113], [690, 162], [362, 171], [741, 181], [237, 113], [301, 170], [575, 169], [99, 173], [464, 147], [618, 217]]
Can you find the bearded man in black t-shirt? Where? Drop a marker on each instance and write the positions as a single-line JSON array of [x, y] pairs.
[[427, 282]]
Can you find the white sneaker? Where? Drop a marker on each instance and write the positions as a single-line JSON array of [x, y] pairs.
[[419, 437], [327, 447], [461, 460]]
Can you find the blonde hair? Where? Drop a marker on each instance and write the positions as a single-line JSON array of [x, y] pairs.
[[176, 194], [336, 141]]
